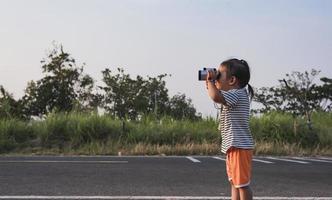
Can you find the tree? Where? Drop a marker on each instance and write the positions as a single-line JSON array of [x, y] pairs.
[[88, 99], [325, 94], [299, 95], [270, 98], [157, 95], [118, 94], [180, 107], [63, 88], [130, 98], [127, 97], [9, 107], [66, 88]]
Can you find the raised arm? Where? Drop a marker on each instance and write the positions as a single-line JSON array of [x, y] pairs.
[[213, 91]]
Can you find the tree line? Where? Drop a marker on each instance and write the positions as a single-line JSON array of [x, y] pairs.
[[66, 88], [298, 94]]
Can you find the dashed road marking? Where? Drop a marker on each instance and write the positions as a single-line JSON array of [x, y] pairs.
[[325, 158], [193, 159], [313, 159], [262, 161], [288, 160], [219, 158], [257, 160]]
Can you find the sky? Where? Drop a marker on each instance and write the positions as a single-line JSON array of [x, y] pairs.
[[177, 37]]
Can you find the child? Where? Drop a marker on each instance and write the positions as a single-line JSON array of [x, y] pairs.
[[229, 89]]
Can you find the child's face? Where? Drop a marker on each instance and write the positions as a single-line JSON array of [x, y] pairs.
[[225, 82]]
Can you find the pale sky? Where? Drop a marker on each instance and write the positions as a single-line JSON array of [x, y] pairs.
[[178, 37]]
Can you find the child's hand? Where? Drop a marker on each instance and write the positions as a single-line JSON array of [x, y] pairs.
[[208, 79]]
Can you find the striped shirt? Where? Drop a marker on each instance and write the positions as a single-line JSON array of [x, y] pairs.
[[234, 120]]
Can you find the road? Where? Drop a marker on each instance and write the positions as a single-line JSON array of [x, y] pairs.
[[157, 177]]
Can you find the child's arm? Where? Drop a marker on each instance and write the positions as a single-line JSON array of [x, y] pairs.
[[214, 93]]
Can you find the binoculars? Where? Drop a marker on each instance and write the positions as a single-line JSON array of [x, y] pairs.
[[202, 74]]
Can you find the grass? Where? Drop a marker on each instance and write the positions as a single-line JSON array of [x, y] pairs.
[[82, 134]]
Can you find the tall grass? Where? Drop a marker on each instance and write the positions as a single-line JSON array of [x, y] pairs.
[[278, 127], [14, 134], [323, 126], [76, 133], [171, 132], [75, 129]]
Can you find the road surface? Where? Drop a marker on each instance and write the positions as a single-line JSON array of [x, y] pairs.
[[158, 177]]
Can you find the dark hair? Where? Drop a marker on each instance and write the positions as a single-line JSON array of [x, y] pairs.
[[240, 69]]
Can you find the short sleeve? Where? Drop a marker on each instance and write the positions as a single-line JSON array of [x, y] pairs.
[[231, 97]]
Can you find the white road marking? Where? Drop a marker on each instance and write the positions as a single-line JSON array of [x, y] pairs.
[[219, 158], [193, 159], [257, 160], [160, 197], [293, 198], [326, 158], [262, 161], [288, 160], [312, 159], [60, 161]]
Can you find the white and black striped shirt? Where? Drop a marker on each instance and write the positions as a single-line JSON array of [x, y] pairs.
[[234, 120]]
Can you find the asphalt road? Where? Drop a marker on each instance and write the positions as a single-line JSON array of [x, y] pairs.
[[170, 177]]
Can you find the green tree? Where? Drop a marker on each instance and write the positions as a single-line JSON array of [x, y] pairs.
[[119, 91], [63, 88], [9, 107], [299, 95], [270, 98], [157, 95], [130, 98], [325, 94], [181, 107]]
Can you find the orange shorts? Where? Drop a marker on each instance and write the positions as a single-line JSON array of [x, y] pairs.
[[238, 166]]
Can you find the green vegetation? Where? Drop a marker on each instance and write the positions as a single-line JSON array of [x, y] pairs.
[[141, 118], [282, 134], [76, 133], [66, 88]]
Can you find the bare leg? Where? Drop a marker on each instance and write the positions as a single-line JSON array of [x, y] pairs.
[[245, 193], [235, 193]]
